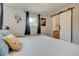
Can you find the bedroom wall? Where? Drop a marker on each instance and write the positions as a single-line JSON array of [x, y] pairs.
[[75, 21], [9, 20], [46, 29], [19, 29]]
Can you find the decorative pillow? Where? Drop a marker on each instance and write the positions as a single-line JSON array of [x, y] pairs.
[[1, 36], [4, 32], [4, 49], [14, 44]]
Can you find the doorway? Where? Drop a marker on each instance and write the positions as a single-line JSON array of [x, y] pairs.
[[56, 24]]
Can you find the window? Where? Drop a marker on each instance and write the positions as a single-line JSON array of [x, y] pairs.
[[33, 22]]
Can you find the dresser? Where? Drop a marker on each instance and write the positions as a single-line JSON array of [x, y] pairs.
[[56, 34]]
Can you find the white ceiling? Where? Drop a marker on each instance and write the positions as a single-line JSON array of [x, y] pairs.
[[46, 8]]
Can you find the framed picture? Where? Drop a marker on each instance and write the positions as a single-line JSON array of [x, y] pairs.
[[43, 21]]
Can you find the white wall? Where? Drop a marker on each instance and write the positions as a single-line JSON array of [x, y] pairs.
[[47, 29], [9, 20]]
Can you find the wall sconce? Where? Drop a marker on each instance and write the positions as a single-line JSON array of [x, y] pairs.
[[6, 27], [18, 18]]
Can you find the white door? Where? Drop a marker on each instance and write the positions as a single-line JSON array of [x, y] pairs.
[[65, 26]]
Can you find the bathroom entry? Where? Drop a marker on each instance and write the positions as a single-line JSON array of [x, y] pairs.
[[56, 25]]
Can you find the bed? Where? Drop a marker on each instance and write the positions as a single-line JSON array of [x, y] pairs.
[[45, 46]]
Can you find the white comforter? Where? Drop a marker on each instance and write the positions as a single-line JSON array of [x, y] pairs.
[[46, 46]]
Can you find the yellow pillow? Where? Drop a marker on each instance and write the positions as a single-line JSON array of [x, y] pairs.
[[14, 43]]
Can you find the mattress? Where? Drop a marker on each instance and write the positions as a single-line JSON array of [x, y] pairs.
[[45, 46]]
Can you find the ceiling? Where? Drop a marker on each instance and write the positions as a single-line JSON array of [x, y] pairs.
[[46, 8]]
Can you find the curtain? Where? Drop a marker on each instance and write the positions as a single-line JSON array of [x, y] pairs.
[[39, 27], [1, 15], [27, 29]]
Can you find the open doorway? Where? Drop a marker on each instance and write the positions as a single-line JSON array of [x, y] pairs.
[[56, 25]]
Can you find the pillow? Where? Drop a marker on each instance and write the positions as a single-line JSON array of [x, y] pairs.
[[1, 36], [4, 49], [13, 42], [4, 32]]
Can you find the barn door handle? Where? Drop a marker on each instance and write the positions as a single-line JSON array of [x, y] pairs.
[[59, 27]]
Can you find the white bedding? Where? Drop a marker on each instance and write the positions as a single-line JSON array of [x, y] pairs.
[[46, 46]]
